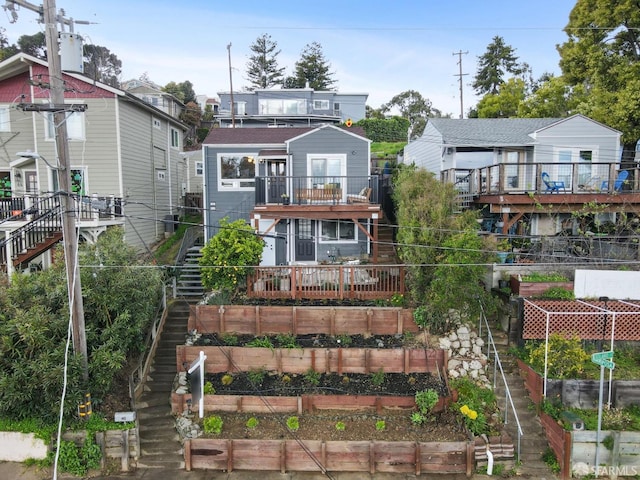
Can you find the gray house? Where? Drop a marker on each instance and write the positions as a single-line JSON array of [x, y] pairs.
[[308, 191], [290, 107], [124, 156], [501, 165]]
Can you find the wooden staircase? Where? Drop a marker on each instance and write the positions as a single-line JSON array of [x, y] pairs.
[[31, 239], [386, 245]]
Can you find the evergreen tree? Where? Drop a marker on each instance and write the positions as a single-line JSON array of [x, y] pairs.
[[34, 45], [262, 68], [314, 69], [182, 91], [102, 65], [497, 61]]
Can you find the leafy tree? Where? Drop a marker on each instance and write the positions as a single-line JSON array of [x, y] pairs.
[[120, 300], [602, 54], [499, 60], [228, 257], [442, 246], [182, 91], [312, 68], [414, 107], [262, 68], [373, 112], [552, 98], [34, 45], [102, 65], [504, 103], [6, 50]]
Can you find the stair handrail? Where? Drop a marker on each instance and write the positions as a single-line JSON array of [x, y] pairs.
[[139, 374], [191, 236], [498, 364]]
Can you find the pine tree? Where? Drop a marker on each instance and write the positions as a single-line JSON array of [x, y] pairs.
[[498, 60], [314, 69], [262, 68]]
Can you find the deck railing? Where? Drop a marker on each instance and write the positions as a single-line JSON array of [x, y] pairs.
[[93, 207], [577, 177], [345, 281], [316, 190]]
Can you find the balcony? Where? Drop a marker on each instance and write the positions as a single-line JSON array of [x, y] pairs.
[[283, 190], [564, 178]]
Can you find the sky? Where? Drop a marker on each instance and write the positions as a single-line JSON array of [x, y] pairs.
[[377, 47]]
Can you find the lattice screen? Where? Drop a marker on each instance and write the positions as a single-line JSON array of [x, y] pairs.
[[582, 319]]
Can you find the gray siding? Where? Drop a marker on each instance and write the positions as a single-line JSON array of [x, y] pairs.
[[232, 204], [426, 151]]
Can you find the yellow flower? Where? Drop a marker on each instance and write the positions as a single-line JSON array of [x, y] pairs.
[[464, 410], [472, 414]]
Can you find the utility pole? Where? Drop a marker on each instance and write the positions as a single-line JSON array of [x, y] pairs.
[[460, 75], [233, 113], [59, 113]]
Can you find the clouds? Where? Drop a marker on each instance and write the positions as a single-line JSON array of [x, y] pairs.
[[378, 47]]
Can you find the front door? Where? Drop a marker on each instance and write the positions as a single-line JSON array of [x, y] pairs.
[[276, 178], [305, 243]]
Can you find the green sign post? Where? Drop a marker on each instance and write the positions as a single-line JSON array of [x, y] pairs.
[[605, 360]]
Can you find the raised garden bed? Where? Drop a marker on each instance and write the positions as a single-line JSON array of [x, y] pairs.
[[526, 288]]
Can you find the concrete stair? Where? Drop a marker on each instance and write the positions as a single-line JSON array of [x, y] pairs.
[[189, 284], [160, 445], [533, 442]]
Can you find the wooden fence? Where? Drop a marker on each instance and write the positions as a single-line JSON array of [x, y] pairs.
[[274, 320], [305, 403], [322, 360], [337, 456]]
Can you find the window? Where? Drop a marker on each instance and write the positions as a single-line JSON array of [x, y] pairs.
[[321, 104], [75, 126], [337, 231], [328, 169], [5, 123], [77, 181], [281, 107], [162, 175], [156, 123], [236, 172], [336, 106], [588, 174], [199, 169], [175, 138], [239, 108]]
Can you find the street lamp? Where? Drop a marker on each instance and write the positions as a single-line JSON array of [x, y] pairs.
[[37, 156]]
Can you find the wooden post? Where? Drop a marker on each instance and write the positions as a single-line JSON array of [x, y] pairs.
[[187, 454], [294, 321], [372, 458], [566, 457], [125, 451], [470, 458], [222, 326], [229, 456], [417, 460], [257, 321], [283, 456], [339, 361]]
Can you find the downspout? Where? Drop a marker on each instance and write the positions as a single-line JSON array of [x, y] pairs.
[[489, 455]]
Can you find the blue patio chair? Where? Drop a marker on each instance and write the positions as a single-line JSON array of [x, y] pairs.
[[617, 185], [552, 185]]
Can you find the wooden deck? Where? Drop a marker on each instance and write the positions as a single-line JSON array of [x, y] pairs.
[[362, 282]]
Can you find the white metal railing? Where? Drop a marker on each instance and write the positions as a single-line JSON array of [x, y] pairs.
[[497, 364]]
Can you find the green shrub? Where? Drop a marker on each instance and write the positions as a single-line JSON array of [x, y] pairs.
[[229, 339], [378, 378], [293, 423], [252, 423], [227, 379], [340, 426], [287, 341], [312, 377], [209, 388], [417, 418], [565, 356], [381, 425], [261, 342], [475, 403], [426, 400], [558, 293], [213, 425], [540, 277], [256, 375]]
